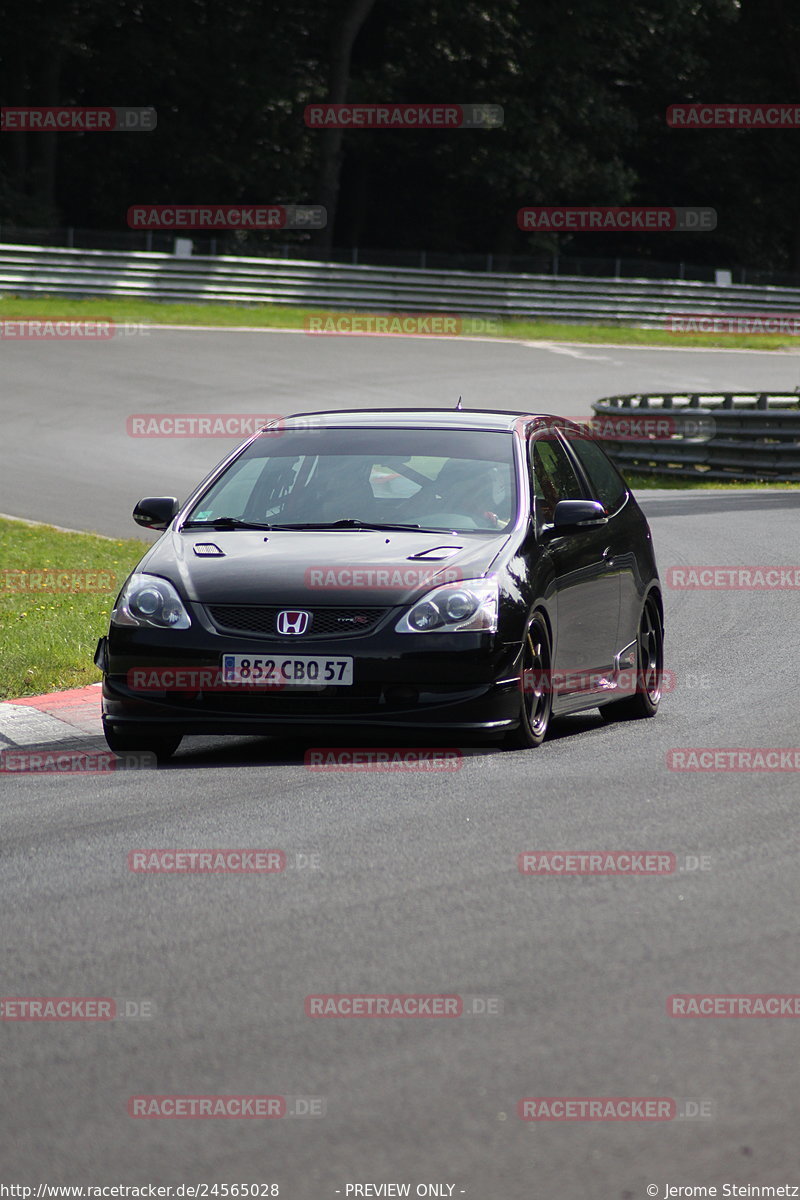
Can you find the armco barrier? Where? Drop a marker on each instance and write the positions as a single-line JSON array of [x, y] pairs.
[[38, 270], [723, 436]]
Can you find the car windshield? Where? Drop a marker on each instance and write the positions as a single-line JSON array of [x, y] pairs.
[[437, 479]]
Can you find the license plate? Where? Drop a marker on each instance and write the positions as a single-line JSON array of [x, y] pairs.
[[287, 670]]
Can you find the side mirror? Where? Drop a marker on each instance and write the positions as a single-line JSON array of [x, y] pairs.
[[572, 515], [156, 512]]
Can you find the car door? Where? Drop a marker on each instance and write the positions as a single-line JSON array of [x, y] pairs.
[[624, 531], [587, 584]]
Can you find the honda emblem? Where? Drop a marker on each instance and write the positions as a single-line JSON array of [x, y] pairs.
[[293, 621]]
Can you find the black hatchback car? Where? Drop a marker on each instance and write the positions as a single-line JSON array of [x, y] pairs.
[[457, 572]]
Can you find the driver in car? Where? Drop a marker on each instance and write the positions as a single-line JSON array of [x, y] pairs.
[[470, 488]]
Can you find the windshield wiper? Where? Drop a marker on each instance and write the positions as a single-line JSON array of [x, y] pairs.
[[350, 523], [345, 523], [227, 523]]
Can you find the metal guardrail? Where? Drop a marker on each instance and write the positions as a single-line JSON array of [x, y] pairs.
[[37, 270], [237, 242], [730, 436]]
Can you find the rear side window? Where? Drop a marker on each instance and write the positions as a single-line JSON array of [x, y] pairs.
[[607, 483]]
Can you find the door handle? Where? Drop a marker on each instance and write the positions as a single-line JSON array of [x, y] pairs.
[[608, 554]]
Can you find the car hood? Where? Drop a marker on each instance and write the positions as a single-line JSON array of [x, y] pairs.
[[329, 567]]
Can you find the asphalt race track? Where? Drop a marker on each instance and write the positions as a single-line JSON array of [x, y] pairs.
[[67, 458], [415, 888]]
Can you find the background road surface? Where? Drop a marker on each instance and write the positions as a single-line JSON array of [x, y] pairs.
[[66, 456]]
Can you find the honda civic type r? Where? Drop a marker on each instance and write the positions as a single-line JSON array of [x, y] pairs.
[[456, 572]]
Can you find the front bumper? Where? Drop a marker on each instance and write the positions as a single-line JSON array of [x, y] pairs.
[[467, 681]]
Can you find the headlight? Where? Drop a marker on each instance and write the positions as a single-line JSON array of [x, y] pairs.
[[148, 600], [469, 608]]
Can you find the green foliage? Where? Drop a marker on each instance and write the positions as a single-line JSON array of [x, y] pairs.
[[584, 84]]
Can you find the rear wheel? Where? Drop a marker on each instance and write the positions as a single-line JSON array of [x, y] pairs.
[[649, 671], [536, 698], [131, 739]]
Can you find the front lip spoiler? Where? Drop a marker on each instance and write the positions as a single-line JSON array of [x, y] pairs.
[[488, 713], [251, 728]]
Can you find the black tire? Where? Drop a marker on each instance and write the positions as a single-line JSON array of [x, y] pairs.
[[132, 739], [536, 696], [649, 670]]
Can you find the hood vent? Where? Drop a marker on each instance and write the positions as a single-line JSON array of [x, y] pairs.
[[435, 554]]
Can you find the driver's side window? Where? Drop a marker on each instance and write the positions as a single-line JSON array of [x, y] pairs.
[[552, 479]]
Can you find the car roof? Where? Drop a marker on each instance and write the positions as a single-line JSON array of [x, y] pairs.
[[483, 419]]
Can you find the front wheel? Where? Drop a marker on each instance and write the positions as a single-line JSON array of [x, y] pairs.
[[132, 739], [536, 698], [649, 671]]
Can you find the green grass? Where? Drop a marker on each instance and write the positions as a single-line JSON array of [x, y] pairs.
[[48, 637], [279, 316]]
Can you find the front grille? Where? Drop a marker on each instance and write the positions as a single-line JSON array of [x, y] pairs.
[[325, 622]]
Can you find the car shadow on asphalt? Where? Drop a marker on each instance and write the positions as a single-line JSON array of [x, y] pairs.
[[91, 756], [197, 753]]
